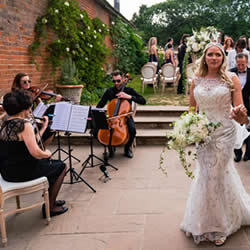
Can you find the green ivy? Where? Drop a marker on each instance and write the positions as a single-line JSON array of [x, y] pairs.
[[128, 50], [67, 31]]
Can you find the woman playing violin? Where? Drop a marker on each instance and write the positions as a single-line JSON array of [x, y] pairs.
[[20, 156], [22, 81], [129, 94]]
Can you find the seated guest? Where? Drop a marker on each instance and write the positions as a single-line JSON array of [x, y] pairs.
[[128, 94], [169, 55], [20, 156]]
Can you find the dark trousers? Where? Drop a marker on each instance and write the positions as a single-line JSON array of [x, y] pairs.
[[180, 83], [238, 152]]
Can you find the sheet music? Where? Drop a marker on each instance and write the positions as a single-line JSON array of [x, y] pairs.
[[40, 109], [68, 117], [78, 119], [61, 116]]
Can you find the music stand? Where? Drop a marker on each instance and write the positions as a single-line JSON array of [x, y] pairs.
[[98, 120], [74, 120]]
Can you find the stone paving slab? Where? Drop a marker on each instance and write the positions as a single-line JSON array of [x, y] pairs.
[[139, 209]]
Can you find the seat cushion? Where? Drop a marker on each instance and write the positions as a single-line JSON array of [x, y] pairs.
[[8, 186]]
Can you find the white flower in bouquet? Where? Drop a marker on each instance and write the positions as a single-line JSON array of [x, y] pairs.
[[189, 129]]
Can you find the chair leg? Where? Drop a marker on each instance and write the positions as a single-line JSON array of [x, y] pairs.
[[163, 88], [18, 202], [142, 88], [46, 201], [3, 228]]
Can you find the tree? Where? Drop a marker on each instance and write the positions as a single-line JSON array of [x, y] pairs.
[[173, 18]]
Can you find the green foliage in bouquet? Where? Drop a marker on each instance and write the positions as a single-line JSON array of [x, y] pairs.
[[191, 128]]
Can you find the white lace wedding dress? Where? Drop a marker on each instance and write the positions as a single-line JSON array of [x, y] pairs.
[[218, 204]]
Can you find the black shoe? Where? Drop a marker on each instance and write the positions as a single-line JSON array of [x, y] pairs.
[[237, 158], [128, 153], [60, 203], [54, 213], [238, 155], [246, 157]]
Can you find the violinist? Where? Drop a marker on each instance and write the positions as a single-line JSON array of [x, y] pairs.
[[129, 94], [22, 81], [20, 156]]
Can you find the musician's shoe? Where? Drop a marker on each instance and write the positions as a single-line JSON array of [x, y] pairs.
[[60, 203], [54, 213], [128, 153], [246, 157]]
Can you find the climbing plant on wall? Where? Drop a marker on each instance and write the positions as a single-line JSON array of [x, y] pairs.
[[67, 31]]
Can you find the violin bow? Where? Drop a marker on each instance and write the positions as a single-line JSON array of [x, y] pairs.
[[39, 139]]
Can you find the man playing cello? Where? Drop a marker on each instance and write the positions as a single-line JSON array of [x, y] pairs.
[[129, 94]]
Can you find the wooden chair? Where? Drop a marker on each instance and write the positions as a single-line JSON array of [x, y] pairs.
[[149, 76], [11, 189], [169, 74], [190, 69]]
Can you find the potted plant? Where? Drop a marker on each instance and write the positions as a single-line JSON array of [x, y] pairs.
[[69, 84]]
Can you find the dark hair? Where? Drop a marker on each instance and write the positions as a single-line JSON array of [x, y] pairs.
[[169, 39], [16, 83], [117, 73], [16, 101], [169, 45], [241, 43], [184, 36], [241, 55]]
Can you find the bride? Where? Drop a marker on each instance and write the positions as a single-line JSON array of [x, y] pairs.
[[218, 204]]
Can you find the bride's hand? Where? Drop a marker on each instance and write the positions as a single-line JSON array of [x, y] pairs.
[[239, 114]]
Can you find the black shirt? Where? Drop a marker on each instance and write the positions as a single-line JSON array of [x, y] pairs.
[[111, 93]]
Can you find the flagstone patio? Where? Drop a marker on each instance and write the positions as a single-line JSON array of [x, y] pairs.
[[138, 209]]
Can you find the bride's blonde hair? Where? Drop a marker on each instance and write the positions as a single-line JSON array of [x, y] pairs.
[[222, 72]]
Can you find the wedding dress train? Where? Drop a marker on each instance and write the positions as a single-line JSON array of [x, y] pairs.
[[218, 204]]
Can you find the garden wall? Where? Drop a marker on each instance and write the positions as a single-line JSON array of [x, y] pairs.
[[17, 21]]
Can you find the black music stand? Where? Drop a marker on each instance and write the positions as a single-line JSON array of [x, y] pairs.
[[70, 123], [74, 176], [60, 149], [98, 120]]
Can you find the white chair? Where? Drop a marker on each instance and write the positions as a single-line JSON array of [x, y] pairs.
[[190, 73], [149, 76], [169, 74], [11, 189]]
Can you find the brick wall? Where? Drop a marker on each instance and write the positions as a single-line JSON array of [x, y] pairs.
[[17, 20]]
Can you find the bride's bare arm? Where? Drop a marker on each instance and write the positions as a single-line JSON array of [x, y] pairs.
[[192, 102]]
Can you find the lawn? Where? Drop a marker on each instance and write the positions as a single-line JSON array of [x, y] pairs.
[[168, 98]]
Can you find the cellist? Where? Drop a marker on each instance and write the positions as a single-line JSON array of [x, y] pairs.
[[129, 94]]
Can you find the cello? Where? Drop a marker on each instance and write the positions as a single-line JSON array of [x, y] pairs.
[[117, 111]]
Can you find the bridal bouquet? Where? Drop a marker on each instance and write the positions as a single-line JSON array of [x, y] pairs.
[[197, 43], [190, 128]]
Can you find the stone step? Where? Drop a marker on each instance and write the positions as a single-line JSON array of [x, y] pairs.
[[154, 122], [143, 137], [143, 110]]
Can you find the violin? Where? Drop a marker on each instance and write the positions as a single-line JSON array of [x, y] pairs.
[[117, 112], [44, 95]]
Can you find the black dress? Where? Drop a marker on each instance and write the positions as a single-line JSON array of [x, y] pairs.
[[16, 163]]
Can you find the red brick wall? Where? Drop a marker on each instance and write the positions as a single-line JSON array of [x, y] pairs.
[[17, 21]]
